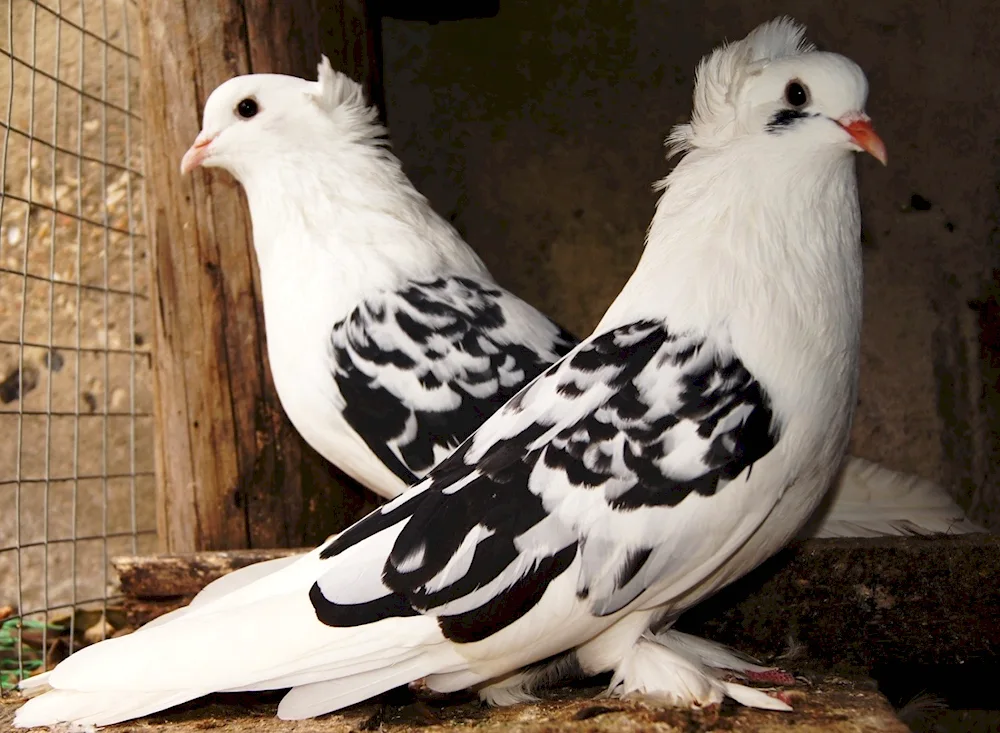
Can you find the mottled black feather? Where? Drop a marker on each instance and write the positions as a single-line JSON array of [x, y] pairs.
[[488, 500], [465, 312]]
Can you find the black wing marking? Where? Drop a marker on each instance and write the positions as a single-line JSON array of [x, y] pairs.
[[421, 368], [634, 421]]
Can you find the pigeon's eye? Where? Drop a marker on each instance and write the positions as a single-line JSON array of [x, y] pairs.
[[247, 108], [797, 94]]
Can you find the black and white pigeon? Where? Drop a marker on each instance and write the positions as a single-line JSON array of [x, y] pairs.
[[673, 450], [389, 340]]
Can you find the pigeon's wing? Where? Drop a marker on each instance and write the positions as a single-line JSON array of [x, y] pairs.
[[420, 368], [616, 460]]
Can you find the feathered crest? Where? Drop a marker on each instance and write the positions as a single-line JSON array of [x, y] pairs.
[[724, 71], [338, 93], [334, 89]]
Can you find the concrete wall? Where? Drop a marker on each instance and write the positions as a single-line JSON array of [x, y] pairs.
[[539, 132]]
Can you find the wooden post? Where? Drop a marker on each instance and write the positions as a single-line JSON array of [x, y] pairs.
[[232, 472]]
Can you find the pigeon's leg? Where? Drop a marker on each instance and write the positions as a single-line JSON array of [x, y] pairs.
[[654, 671], [721, 657]]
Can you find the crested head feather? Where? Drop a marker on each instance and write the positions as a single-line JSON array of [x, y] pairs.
[[720, 74], [341, 96], [334, 89]]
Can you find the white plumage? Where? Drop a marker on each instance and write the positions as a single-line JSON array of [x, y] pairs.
[[672, 451], [870, 500], [355, 266]]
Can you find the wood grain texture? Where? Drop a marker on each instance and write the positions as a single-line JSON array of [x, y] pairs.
[[232, 471], [167, 576]]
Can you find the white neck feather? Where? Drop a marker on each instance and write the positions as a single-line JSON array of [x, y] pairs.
[[347, 218], [332, 228], [751, 232], [767, 259]]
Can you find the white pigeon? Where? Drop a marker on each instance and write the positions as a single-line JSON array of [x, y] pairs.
[[389, 340], [388, 375], [676, 448]]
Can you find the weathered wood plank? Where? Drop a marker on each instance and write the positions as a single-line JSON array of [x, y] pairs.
[[167, 576], [232, 471]]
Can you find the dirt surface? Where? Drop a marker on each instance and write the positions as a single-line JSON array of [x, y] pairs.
[[825, 705]]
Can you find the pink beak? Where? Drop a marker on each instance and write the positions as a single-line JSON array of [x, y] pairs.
[[196, 154], [861, 130]]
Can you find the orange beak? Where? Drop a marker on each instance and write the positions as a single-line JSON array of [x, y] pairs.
[[196, 154], [861, 131]]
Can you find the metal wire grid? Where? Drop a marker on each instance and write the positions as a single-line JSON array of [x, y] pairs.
[[76, 480]]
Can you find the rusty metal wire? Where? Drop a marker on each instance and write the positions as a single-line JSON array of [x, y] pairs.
[[76, 477]]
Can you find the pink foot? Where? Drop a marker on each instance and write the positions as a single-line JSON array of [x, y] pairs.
[[784, 697], [772, 677]]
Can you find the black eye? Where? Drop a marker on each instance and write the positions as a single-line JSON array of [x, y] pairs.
[[797, 94], [247, 108]]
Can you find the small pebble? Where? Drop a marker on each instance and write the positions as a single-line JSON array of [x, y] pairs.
[[919, 203], [98, 632], [14, 235], [54, 360], [91, 402], [118, 398]]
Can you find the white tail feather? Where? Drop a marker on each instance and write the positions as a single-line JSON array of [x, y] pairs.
[[34, 685], [87, 709], [870, 500], [308, 701], [219, 645], [229, 583]]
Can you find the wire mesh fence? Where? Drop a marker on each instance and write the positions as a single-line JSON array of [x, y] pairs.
[[76, 473]]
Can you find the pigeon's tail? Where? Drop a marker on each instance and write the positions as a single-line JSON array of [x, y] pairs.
[[261, 636], [869, 500], [85, 710], [228, 583]]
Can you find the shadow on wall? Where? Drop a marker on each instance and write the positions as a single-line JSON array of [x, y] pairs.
[[539, 133]]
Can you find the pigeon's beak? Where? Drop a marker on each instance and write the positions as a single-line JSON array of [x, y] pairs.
[[197, 153], [859, 127]]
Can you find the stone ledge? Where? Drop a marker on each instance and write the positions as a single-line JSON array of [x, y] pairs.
[[865, 603], [855, 602]]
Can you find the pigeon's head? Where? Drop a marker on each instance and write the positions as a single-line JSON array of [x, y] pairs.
[[257, 119], [773, 86]]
